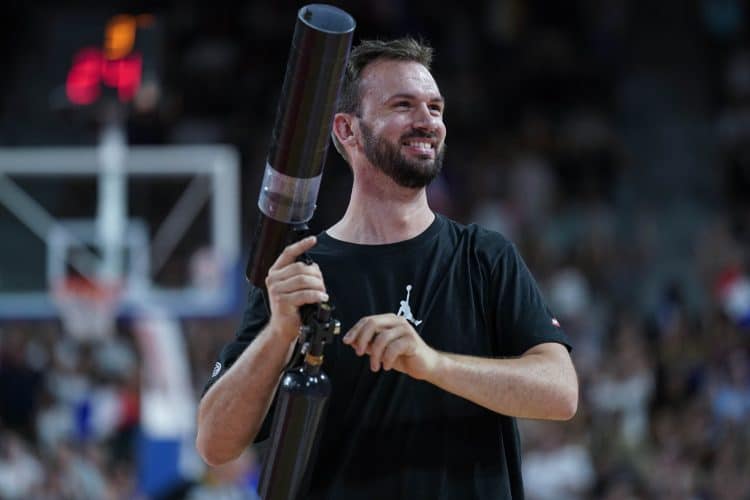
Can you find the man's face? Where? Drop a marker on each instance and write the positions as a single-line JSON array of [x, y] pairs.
[[401, 122], [405, 170]]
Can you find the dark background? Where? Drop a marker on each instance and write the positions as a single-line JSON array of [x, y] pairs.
[[608, 139]]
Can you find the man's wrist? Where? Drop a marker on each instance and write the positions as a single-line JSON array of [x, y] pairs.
[[282, 333], [437, 367]]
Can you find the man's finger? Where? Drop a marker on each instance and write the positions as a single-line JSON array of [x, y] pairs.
[[302, 297], [296, 283], [394, 350], [362, 333], [293, 251], [293, 269], [381, 321], [379, 343]]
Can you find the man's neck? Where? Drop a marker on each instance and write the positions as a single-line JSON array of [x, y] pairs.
[[381, 212]]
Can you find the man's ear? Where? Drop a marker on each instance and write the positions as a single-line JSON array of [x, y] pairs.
[[343, 128]]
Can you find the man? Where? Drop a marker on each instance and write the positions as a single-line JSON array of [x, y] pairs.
[[423, 401]]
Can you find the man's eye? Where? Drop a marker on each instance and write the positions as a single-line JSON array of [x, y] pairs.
[[437, 109], [403, 104]]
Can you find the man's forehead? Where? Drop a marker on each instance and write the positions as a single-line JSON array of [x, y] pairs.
[[384, 78]]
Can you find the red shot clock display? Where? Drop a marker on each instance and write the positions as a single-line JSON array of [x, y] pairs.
[[117, 64]]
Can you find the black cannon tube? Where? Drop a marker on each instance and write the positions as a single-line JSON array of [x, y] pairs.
[[301, 134]]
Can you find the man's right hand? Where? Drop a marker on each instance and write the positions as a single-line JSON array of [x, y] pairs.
[[292, 284]]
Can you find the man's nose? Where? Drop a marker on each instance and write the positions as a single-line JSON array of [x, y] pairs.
[[424, 119]]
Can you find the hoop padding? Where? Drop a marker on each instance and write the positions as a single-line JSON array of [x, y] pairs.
[[88, 308]]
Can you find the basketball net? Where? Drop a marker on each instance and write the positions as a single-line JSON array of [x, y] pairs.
[[88, 308]]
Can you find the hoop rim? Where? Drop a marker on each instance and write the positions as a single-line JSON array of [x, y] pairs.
[[88, 288], [87, 307]]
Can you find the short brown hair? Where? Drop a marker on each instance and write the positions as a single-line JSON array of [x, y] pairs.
[[400, 49]]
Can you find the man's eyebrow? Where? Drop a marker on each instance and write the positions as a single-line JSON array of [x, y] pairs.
[[438, 98]]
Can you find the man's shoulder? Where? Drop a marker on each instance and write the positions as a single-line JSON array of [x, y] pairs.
[[477, 238]]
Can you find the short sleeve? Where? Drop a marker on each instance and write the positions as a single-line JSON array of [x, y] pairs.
[[255, 317], [523, 318]]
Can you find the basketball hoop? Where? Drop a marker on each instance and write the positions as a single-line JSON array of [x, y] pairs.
[[87, 307]]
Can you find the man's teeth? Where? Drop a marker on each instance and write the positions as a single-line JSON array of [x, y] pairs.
[[421, 145]]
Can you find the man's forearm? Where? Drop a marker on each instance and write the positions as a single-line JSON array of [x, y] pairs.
[[232, 411], [540, 384]]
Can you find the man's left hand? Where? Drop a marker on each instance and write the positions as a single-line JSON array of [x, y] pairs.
[[392, 342]]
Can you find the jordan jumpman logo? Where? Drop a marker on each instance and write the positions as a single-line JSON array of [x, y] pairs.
[[405, 309]]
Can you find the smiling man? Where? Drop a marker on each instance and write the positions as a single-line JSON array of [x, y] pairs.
[[408, 151], [448, 338]]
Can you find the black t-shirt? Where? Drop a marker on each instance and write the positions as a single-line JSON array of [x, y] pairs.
[[465, 290]]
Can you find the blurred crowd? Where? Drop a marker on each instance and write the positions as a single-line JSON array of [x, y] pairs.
[[643, 257]]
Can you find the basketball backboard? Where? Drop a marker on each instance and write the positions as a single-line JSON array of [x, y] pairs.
[[178, 243]]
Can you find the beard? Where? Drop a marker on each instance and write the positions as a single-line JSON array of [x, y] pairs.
[[406, 172]]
